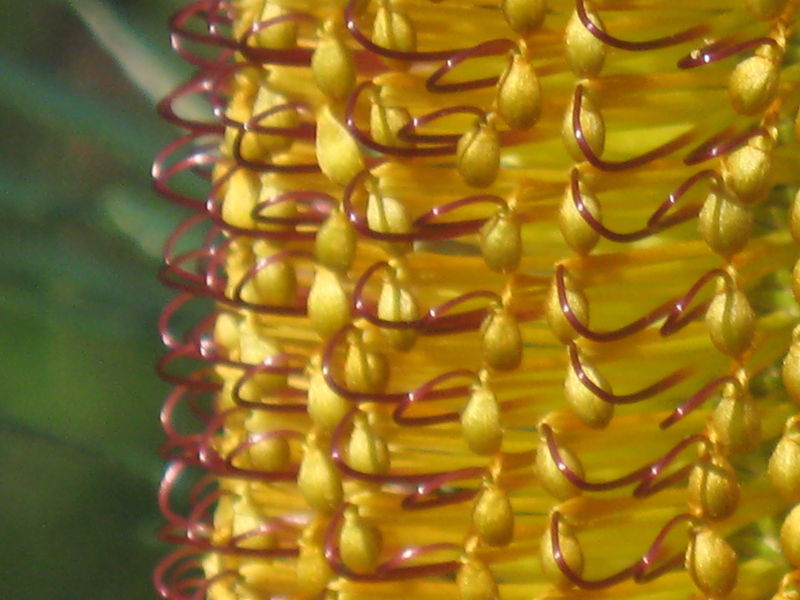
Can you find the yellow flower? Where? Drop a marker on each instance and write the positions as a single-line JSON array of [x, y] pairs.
[[501, 301]]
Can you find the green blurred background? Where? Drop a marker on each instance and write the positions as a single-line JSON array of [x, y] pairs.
[[79, 249]]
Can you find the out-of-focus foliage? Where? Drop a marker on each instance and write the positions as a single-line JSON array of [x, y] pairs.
[[80, 234]]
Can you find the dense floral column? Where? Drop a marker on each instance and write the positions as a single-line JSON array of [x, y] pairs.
[[499, 295]]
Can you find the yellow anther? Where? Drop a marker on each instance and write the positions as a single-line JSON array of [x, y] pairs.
[[478, 154], [731, 322], [475, 581], [385, 122], [240, 198], [578, 306], [386, 214], [747, 170], [396, 303], [328, 303], [367, 450], [519, 95], [359, 542], [285, 210], [765, 10], [585, 53], [493, 516], [524, 16], [570, 551], [226, 333], [711, 562], [735, 421], [501, 340], [724, 222], [276, 281], [335, 243], [713, 488], [254, 350], [590, 408], [549, 475], [480, 421], [364, 370], [318, 479], [791, 367], [784, 464], [592, 125], [266, 143], [271, 454], [249, 524], [790, 537], [337, 152], [501, 241], [579, 235], [753, 84], [325, 407], [394, 30], [313, 570], [794, 218], [332, 64], [279, 36]]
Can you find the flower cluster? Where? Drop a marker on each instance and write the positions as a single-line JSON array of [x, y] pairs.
[[501, 294]]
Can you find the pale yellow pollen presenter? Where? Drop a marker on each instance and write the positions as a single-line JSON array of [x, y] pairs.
[[484, 300]]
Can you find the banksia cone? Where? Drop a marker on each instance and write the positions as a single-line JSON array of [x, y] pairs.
[[501, 301]]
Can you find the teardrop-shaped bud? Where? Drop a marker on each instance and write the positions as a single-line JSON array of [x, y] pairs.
[[313, 570], [397, 304], [713, 488], [552, 479], [335, 243], [226, 333], [711, 562], [592, 125], [753, 84], [359, 542], [332, 64], [784, 464], [585, 53], [367, 451], [724, 223], [501, 241], [270, 454], [571, 553], [524, 16], [255, 350], [480, 421], [280, 36], [393, 30], [501, 340], [365, 371], [328, 304], [575, 229], [385, 122], [736, 421], [241, 196], [386, 214], [790, 536], [475, 581], [478, 154], [337, 152], [249, 527], [576, 303], [275, 281], [318, 478], [519, 95], [325, 407], [747, 169], [286, 118], [731, 322], [493, 516], [790, 373], [590, 408]]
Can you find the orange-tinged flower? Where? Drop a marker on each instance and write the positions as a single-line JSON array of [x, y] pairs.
[[501, 301]]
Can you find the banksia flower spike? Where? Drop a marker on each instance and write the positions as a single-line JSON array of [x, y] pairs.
[[501, 301]]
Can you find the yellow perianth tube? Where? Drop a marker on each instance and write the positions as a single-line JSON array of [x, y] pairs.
[[502, 301]]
